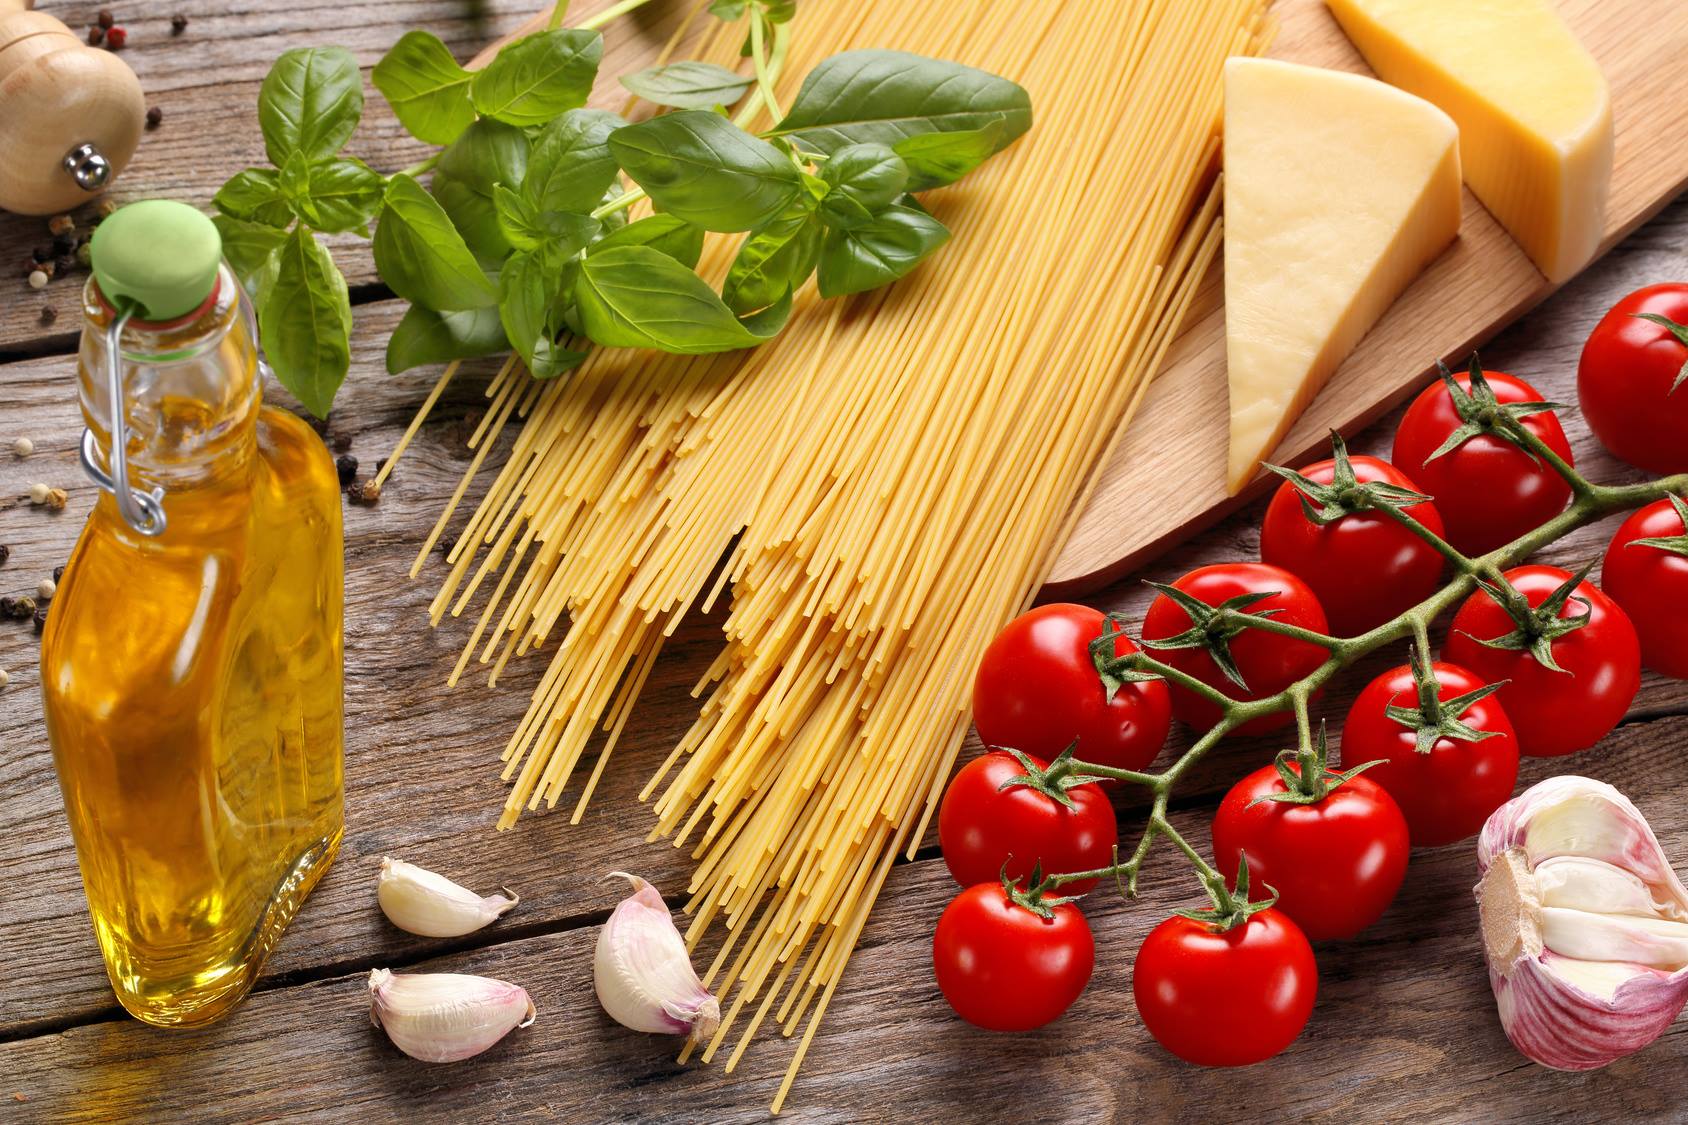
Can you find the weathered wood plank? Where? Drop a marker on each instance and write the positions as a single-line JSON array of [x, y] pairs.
[[206, 83], [1405, 1028]]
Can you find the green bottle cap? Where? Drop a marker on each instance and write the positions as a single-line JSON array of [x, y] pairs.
[[159, 256]]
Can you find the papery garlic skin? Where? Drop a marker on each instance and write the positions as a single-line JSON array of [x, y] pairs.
[[445, 1017], [420, 902], [1585, 924], [643, 973]]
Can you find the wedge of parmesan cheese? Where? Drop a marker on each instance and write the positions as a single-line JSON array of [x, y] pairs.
[[1534, 114], [1339, 190]]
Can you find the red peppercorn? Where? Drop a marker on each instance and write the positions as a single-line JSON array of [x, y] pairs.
[[116, 38]]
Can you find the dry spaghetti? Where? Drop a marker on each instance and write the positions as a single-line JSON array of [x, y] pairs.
[[899, 470]]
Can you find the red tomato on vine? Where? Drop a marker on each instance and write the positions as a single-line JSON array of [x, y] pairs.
[[1001, 811], [1040, 686], [1632, 379], [1446, 750], [1004, 967], [1646, 572], [1193, 626], [1458, 440], [1568, 654], [1329, 526], [1229, 986], [1332, 847]]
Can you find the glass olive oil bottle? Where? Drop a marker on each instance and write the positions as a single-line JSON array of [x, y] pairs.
[[191, 664]]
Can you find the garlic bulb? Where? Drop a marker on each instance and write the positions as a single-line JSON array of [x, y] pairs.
[[421, 902], [643, 973], [1585, 925], [444, 1017]]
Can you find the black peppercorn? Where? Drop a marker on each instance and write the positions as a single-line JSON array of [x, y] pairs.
[[5, 553], [40, 618], [154, 116], [105, 19], [58, 574], [178, 24], [96, 36], [347, 467], [18, 609], [342, 443], [63, 244], [41, 254], [48, 314]]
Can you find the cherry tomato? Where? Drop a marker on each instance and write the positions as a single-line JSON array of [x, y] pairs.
[[1448, 793], [1003, 968], [1552, 712], [982, 826], [1626, 377], [1487, 490], [1335, 864], [1038, 690], [1365, 567], [1651, 583], [1269, 663], [1225, 999]]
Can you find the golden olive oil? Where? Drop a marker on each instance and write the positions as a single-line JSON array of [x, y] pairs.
[[193, 680]]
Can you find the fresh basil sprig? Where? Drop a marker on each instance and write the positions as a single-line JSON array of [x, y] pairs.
[[521, 240]]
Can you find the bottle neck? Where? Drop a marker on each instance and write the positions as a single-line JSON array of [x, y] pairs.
[[191, 390]]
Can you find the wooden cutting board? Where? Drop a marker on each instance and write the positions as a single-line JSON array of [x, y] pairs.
[[1166, 479]]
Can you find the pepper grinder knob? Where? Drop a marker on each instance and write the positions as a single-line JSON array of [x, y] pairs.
[[71, 115]]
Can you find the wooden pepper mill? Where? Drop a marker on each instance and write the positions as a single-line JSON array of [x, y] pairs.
[[70, 114]]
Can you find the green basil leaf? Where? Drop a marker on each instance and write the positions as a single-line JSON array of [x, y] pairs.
[[774, 261], [524, 301], [689, 85], [255, 195], [637, 297], [862, 180], [571, 166], [425, 336], [936, 159], [310, 102], [306, 322], [294, 180], [537, 77], [342, 195], [421, 256], [728, 10], [560, 233], [489, 152], [779, 11], [428, 90], [866, 257], [887, 96], [703, 168], [249, 249], [666, 234]]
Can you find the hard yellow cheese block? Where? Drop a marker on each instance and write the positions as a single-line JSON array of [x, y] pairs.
[[1338, 191], [1534, 115]]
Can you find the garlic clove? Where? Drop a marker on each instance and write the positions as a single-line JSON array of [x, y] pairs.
[[420, 902], [445, 1017], [1584, 924], [643, 973]]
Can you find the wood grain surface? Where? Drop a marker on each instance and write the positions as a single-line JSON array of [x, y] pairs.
[[1167, 475], [1405, 1027]]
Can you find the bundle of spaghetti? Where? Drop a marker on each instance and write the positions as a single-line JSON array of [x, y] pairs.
[[899, 470]]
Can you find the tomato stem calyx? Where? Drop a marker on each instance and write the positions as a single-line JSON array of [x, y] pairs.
[[1306, 774], [1434, 718], [1034, 897], [1052, 782], [1212, 627], [1480, 412], [1346, 493], [1230, 908], [1114, 670], [1675, 544], [1680, 331], [1539, 626]]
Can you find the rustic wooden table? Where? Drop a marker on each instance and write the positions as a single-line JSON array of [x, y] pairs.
[[1405, 1026]]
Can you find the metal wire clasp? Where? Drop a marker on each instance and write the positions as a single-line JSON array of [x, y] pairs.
[[143, 511]]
